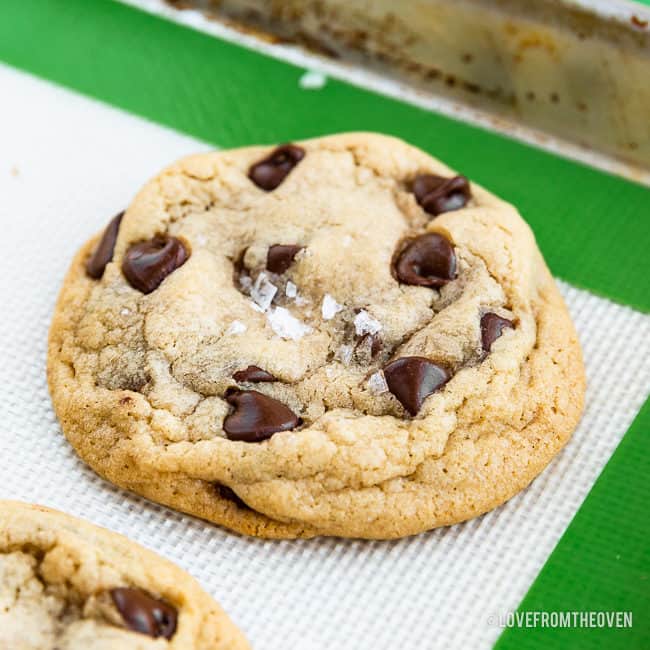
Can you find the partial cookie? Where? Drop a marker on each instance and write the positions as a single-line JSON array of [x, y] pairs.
[[334, 337], [68, 585]]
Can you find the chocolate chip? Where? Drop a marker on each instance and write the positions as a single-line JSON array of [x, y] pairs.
[[437, 194], [428, 260], [253, 374], [230, 495], [257, 416], [103, 254], [148, 263], [492, 326], [267, 174], [143, 613], [280, 257], [413, 379]]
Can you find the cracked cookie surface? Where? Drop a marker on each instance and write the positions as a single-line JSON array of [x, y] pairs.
[[68, 585], [335, 337]]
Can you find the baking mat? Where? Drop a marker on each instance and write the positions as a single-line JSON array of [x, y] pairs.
[[66, 165]]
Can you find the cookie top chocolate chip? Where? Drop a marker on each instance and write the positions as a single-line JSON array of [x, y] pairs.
[[103, 253], [271, 171], [67, 581], [146, 264], [437, 194], [143, 613], [492, 326], [427, 260], [308, 327]]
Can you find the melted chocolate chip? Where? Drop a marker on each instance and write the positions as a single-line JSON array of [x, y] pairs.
[[230, 495], [253, 374], [492, 326], [103, 254], [269, 173], [148, 263], [413, 379], [143, 613], [256, 416], [437, 194], [280, 257], [428, 261]]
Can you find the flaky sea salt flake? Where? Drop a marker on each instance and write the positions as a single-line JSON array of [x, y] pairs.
[[330, 307], [344, 354], [263, 291], [364, 323], [286, 325], [291, 290], [377, 383], [236, 327]]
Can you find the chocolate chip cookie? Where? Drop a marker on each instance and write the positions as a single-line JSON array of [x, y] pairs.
[[333, 337], [68, 585]]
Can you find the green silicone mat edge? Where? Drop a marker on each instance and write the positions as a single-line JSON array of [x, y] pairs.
[[602, 562]]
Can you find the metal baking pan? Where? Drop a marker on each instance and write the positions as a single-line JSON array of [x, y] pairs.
[[575, 69]]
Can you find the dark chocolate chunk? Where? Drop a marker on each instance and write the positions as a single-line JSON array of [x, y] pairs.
[[428, 260], [228, 493], [437, 194], [413, 379], [148, 263], [145, 614], [253, 374], [492, 326], [103, 254], [267, 174], [256, 416], [280, 257]]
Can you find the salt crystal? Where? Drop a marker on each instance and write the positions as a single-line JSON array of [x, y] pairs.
[[330, 307], [201, 240], [125, 311], [347, 240], [302, 301], [377, 383], [285, 325], [364, 323], [263, 291], [344, 354], [236, 327], [245, 281], [291, 290]]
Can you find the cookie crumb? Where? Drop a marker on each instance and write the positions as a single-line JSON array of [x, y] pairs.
[[312, 80]]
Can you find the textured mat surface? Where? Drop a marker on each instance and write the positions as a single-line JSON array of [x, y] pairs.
[[67, 164]]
